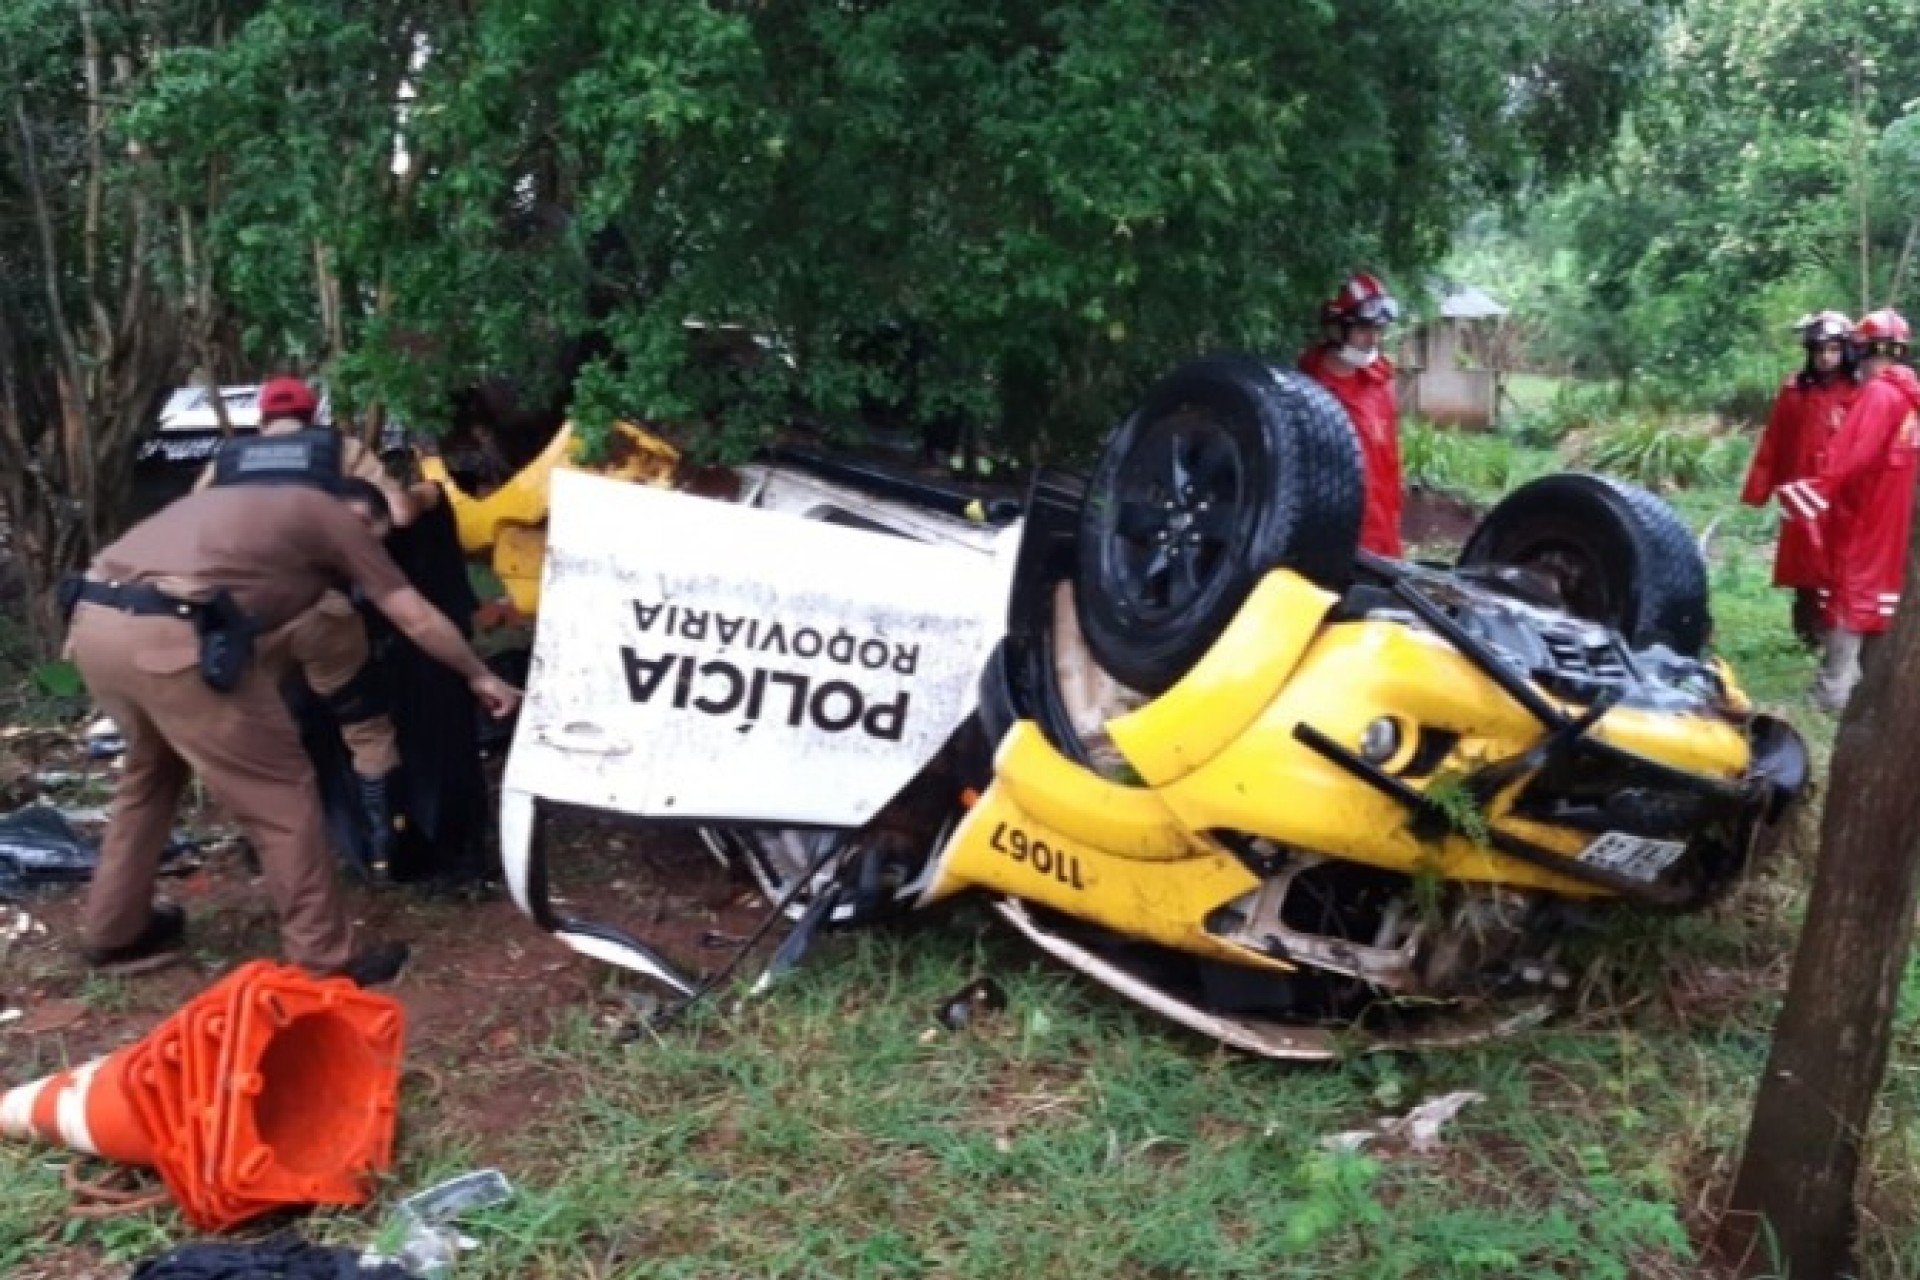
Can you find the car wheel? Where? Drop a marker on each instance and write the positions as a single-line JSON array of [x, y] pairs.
[[1229, 469], [1614, 553]]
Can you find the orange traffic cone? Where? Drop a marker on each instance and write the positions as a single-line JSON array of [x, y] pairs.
[[267, 1090], [87, 1109]]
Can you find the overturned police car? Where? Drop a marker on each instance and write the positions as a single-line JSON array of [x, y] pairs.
[[1168, 720]]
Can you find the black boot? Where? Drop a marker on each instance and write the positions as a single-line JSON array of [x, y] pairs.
[[378, 964], [161, 943]]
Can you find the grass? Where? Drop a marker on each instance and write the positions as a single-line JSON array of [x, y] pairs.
[[823, 1133], [830, 1130], [1477, 465], [1533, 390], [107, 993]]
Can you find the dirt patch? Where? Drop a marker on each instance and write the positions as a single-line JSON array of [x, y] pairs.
[[484, 993], [1432, 517], [484, 990]]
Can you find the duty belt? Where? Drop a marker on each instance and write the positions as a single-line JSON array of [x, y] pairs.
[[226, 633], [135, 598]]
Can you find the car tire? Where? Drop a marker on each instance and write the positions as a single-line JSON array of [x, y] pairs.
[[1230, 468], [1615, 554]]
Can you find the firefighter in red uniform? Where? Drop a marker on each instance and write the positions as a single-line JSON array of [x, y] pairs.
[[1863, 498], [1349, 364], [1806, 415]]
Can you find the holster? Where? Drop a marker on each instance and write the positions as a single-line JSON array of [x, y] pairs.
[[226, 642]]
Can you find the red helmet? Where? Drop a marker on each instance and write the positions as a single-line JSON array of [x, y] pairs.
[[287, 398], [1361, 300], [1823, 327], [1883, 332]]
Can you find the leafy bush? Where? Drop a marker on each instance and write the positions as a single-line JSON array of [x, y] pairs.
[[1575, 407], [1658, 453], [1749, 398], [1431, 458], [1737, 385], [1477, 464]]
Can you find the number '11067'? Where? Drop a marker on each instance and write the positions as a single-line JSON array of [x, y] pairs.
[[1041, 856]]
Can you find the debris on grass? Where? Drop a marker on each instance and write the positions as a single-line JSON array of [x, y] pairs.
[[39, 845], [1417, 1132], [104, 740], [42, 845], [964, 1007], [428, 1221]]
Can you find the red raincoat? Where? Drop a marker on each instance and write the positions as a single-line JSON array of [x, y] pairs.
[[1367, 396], [1793, 447], [1863, 497]]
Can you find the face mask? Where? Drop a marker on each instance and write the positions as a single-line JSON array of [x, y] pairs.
[[1357, 358]]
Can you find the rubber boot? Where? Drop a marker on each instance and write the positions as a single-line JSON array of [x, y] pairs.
[[376, 805], [1839, 670]]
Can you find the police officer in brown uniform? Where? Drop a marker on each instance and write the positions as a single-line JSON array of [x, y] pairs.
[[328, 642], [162, 630]]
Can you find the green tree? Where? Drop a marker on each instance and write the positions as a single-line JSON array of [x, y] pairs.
[[1009, 212], [999, 213], [1898, 166], [98, 300], [1731, 201]]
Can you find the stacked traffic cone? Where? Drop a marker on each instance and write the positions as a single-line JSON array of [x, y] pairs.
[[270, 1089]]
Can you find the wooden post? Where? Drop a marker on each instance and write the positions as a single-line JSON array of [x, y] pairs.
[[1798, 1174]]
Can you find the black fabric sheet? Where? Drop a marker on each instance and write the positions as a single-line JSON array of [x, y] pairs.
[[442, 790]]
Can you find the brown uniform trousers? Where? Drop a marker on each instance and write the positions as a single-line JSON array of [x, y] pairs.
[[244, 746]]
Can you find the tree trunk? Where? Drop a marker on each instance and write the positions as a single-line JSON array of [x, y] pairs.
[[1801, 1165], [47, 543]]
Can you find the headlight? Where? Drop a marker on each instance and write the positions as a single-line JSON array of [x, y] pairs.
[[1380, 742]]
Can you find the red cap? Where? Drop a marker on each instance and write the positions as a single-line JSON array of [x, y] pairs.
[[287, 398]]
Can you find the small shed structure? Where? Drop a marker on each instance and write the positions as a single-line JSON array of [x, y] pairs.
[[1450, 366]]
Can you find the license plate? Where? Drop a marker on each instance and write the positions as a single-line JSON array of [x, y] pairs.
[[1632, 856]]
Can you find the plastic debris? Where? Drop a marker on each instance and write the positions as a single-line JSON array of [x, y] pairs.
[[41, 845], [104, 740], [38, 845], [432, 1241], [961, 1009], [1418, 1131], [64, 778]]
